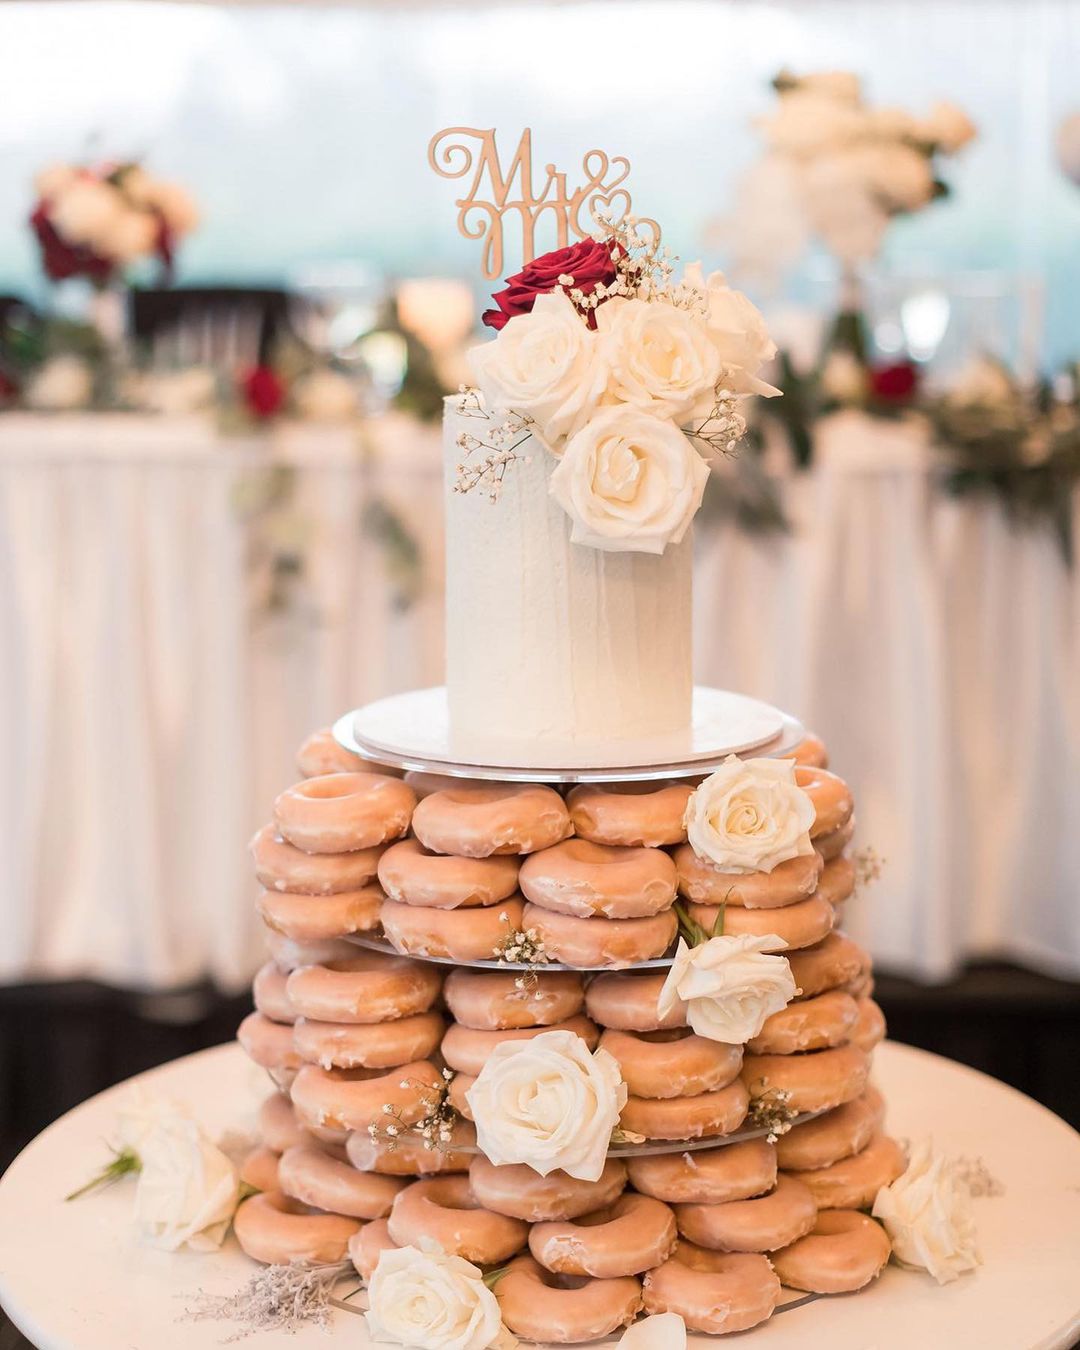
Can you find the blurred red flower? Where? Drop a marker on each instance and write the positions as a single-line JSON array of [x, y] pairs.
[[897, 383], [263, 390]]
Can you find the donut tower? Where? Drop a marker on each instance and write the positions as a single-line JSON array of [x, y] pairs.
[[556, 978]]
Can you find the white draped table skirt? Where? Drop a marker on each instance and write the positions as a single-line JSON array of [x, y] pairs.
[[151, 703]]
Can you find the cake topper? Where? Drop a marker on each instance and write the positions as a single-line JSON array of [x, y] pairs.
[[575, 213]]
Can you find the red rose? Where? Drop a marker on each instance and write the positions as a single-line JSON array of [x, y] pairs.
[[894, 384], [588, 262], [62, 260], [263, 390]]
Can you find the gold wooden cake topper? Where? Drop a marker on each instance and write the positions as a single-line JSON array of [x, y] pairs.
[[452, 156]]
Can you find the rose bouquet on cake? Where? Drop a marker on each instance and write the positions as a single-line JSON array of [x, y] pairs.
[[94, 222], [629, 379]]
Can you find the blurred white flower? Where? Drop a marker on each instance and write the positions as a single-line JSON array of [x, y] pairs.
[[130, 235], [62, 384], [187, 1190], [927, 1214], [325, 396], [662, 1331], [808, 123], [843, 378], [981, 383], [842, 85], [1068, 147], [948, 127], [85, 211], [737, 330], [53, 179]]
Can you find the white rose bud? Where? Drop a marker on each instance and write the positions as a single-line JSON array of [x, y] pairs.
[[661, 358], [547, 1102], [187, 1190], [546, 365], [927, 1214], [750, 816], [426, 1298], [728, 986], [630, 482]]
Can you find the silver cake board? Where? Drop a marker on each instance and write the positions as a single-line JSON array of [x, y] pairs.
[[412, 731]]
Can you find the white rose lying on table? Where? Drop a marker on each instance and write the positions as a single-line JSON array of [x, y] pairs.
[[728, 986], [434, 1301], [927, 1213], [549, 1103], [750, 816]]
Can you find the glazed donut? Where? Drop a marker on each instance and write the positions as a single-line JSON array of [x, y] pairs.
[[837, 881], [281, 866], [870, 1029], [372, 1045], [269, 993], [269, 1044], [808, 1024], [833, 802], [466, 1050], [672, 1063], [707, 1114], [314, 918], [646, 815], [278, 1231], [409, 1155], [787, 884], [312, 1176], [354, 1099], [586, 880], [830, 846], [535, 1305], [370, 987], [717, 1292], [343, 812], [515, 1189], [288, 955], [278, 1127], [601, 942], [412, 875], [321, 754], [629, 1002], [457, 1092], [853, 1182], [830, 964], [368, 1245], [446, 1210], [800, 925], [260, 1169], [811, 752], [861, 988], [815, 1081], [706, 1176], [843, 1252], [762, 1224], [498, 1000], [477, 821], [632, 1235], [838, 1134], [461, 934]]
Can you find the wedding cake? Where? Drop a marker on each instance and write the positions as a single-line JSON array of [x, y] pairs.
[[558, 1054]]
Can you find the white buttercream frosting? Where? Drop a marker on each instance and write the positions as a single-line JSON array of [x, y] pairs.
[[548, 640]]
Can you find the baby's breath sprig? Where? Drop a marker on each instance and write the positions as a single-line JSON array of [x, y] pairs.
[[521, 947], [869, 865], [770, 1109], [501, 440], [643, 265], [435, 1128], [723, 429]]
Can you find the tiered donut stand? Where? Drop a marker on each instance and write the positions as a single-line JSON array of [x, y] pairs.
[[735, 1185]]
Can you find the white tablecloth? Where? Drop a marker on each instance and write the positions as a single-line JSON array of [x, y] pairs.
[[150, 706]]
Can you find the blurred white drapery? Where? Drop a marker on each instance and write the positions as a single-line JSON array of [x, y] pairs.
[[149, 711]]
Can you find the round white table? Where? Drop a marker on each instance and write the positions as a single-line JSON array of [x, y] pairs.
[[74, 1277]]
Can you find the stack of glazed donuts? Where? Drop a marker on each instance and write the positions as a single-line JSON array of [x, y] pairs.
[[354, 1037]]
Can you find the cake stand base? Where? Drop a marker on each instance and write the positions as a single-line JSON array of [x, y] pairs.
[[74, 1277]]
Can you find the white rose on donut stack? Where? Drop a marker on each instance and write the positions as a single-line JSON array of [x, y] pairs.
[[728, 986], [631, 381], [750, 816], [547, 1102], [426, 1298]]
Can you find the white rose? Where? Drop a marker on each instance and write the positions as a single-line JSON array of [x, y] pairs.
[[140, 1115], [630, 482], [325, 396], [901, 177], [737, 331], [438, 1302], [662, 1331], [927, 1214], [177, 206], [660, 357], [62, 384], [130, 235], [549, 1103], [728, 986], [893, 124], [85, 211], [188, 1189], [809, 123], [547, 365], [948, 127], [750, 816]]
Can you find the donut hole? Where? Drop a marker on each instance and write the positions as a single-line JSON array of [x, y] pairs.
[[331, 786], [453, 1193], [665, 1035], [584, 851]]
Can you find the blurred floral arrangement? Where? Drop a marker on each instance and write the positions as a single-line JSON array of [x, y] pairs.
[[839, 170], [94, 221]]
